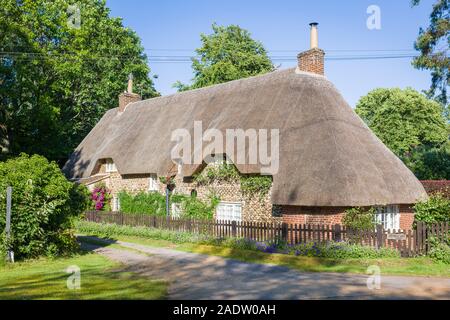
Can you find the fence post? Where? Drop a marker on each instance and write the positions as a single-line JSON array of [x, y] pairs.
[[8, 223], [233, 229], [337, 233], [284, 231], [380, 233]]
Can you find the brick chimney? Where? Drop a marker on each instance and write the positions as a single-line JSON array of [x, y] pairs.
[[313, 59], [128, 96]]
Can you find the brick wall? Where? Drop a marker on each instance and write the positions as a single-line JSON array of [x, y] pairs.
[[312, 61], [127, 98], [437, 186], [334, 215], [312, 215], [406, 217]]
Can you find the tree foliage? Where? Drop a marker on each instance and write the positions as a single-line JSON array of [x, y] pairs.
[[412, 126], [429, 163], [43, 206], [229, 53], [433, 44], [58, 79], [403, 119]]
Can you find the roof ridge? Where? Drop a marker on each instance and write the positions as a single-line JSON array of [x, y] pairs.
[[229, 83]]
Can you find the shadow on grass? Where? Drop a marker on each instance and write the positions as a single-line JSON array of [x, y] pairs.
[[90, 243]]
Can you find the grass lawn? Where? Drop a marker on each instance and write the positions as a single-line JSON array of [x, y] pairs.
[[420, 266], [100, 279]]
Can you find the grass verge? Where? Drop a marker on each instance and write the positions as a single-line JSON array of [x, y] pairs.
[[101, 279], [420, 266]]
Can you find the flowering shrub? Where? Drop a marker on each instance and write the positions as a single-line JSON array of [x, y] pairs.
[[100, 197]]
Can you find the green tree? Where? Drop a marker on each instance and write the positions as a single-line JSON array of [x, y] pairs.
[[58, 77], [44, 205], [229, 53], [433, 45], [403, 119], [429, 163]]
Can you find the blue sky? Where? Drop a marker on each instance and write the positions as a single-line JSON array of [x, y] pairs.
[[282, 26]]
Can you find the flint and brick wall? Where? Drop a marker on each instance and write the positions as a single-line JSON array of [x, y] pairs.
[[254, 208]]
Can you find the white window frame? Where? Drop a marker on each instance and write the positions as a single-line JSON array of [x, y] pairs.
[[230, 211], [110, 166], [388, 217], [152, 183]]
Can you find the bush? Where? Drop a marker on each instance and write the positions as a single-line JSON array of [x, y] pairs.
[[434, 210], [342, 250], [155, 204], [439, 250], [359, 219], [152, 203], [192, 207], [44, 204]]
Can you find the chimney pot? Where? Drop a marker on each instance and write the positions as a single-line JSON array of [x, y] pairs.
[[128, 96], [130, 83], [314, 35], [313, 59]]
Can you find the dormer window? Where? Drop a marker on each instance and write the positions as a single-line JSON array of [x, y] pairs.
[[110, 166]]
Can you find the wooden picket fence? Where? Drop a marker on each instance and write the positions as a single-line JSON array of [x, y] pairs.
[[409, 243]]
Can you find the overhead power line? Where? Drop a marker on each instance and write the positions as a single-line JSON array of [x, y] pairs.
[[369, 55]]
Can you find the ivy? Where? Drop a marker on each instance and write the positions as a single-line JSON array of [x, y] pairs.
[[256, 185], [251, 185], [192, 207], [220, 173]]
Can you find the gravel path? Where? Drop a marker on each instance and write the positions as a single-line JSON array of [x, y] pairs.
[[197, 276]]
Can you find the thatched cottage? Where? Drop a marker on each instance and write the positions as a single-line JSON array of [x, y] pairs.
[[329, 160]]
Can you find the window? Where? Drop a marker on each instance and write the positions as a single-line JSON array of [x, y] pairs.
[[388, 217], [229, 211], [152, 183], [175, 211], [110, 166], [116, 203]]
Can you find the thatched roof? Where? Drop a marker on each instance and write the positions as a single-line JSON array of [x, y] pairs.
[[328, 156]]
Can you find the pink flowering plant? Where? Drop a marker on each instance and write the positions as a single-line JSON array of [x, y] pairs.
[[100, 197]]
